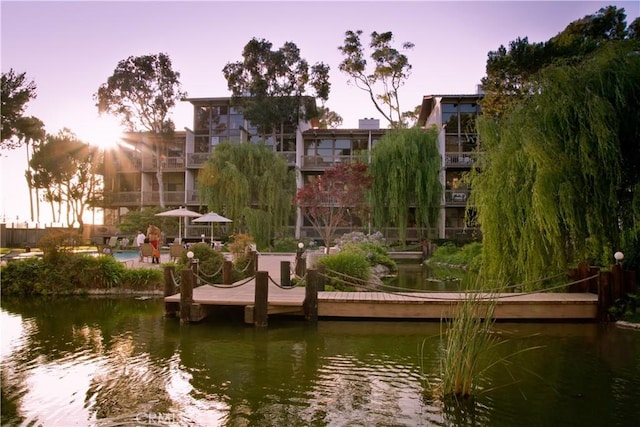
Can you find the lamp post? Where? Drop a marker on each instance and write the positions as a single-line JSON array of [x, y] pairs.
[[299, 265], [619, 256]]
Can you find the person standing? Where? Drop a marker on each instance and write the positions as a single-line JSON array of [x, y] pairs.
[[154, 234], [139, 242]]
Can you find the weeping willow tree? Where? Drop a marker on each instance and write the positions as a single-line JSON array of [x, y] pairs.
[[250, 184], [405, 166], [558, 180]]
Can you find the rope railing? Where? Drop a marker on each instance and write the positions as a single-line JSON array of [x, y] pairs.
[[368, 287], [201, 272], [280, 285], [497, 289], [175, 279]]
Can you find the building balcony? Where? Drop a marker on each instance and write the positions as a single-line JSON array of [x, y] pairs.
[[197, 160], [126, 198], [289, 156], [462, 159], [150, 164], [462, 233], [457, 197], [310, 163], [170, 198]]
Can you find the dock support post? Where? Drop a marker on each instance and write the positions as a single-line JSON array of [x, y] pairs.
[[617, 290], [604, 295], [253, 263], [261, 302], [300, 263], [227, 272], [186, 294], [311, 296], [169, 289], [322, 278], [285, 274]]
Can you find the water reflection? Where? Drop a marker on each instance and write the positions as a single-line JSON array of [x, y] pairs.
[[115, 361]]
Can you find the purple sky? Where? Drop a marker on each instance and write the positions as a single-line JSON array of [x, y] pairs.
[[70, 48]]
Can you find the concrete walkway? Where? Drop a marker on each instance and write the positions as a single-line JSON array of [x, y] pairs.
[[266, 262]]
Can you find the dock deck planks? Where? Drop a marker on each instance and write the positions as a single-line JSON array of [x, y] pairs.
[[416, 305]]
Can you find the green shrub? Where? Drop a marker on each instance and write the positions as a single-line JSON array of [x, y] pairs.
[[346, 270], [285, 245], [209, 262], [468, 256], [143, 279], [372, 246]]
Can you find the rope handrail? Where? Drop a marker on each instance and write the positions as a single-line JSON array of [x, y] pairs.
[[358, 282], [279, 285], [497, 289], [233, 285], [175, 279], [200, 272], [502, 296]]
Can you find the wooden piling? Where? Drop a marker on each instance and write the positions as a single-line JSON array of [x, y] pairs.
[[311, 296], [253, 263], [186, 294], [227, 272], [617, 285], [630, 285], [169, 289], [300, 264], [604, 295], [285, 274], [261, 303]]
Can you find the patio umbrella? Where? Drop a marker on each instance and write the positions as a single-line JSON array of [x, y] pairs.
[[181, 213], [212, 217]]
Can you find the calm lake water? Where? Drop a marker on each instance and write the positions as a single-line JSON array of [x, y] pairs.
[[108, 362]]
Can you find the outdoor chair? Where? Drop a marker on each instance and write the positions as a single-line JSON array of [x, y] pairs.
[[175, 251], [147, 251]]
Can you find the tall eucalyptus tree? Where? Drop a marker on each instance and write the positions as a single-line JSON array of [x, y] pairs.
[[141, 92], [390, 70], [30, 130], [276, 86]]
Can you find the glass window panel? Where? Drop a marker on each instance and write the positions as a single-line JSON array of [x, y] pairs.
[[468, 107], [201, 119], [449, 108], [311, 147], [201, 144]]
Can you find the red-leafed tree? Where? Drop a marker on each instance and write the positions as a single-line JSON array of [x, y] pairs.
[[336, 198]]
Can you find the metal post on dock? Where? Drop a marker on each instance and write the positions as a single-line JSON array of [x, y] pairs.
[[186, 294], [261, 302], [311, 296]]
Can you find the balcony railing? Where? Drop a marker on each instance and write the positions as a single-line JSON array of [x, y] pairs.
[[170, 197], [462, 233], [168, 163], [290, 157], [457, 197], [463, 159], [196, 160], [325, 162], [126, 198]]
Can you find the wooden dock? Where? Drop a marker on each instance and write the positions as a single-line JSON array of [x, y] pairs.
[[383, 305], [377, 305]]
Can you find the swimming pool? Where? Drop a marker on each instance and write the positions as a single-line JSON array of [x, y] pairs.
[[126, 255]]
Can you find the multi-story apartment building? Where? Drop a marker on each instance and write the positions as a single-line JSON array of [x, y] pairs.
[[131, 171], [454, 116]]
